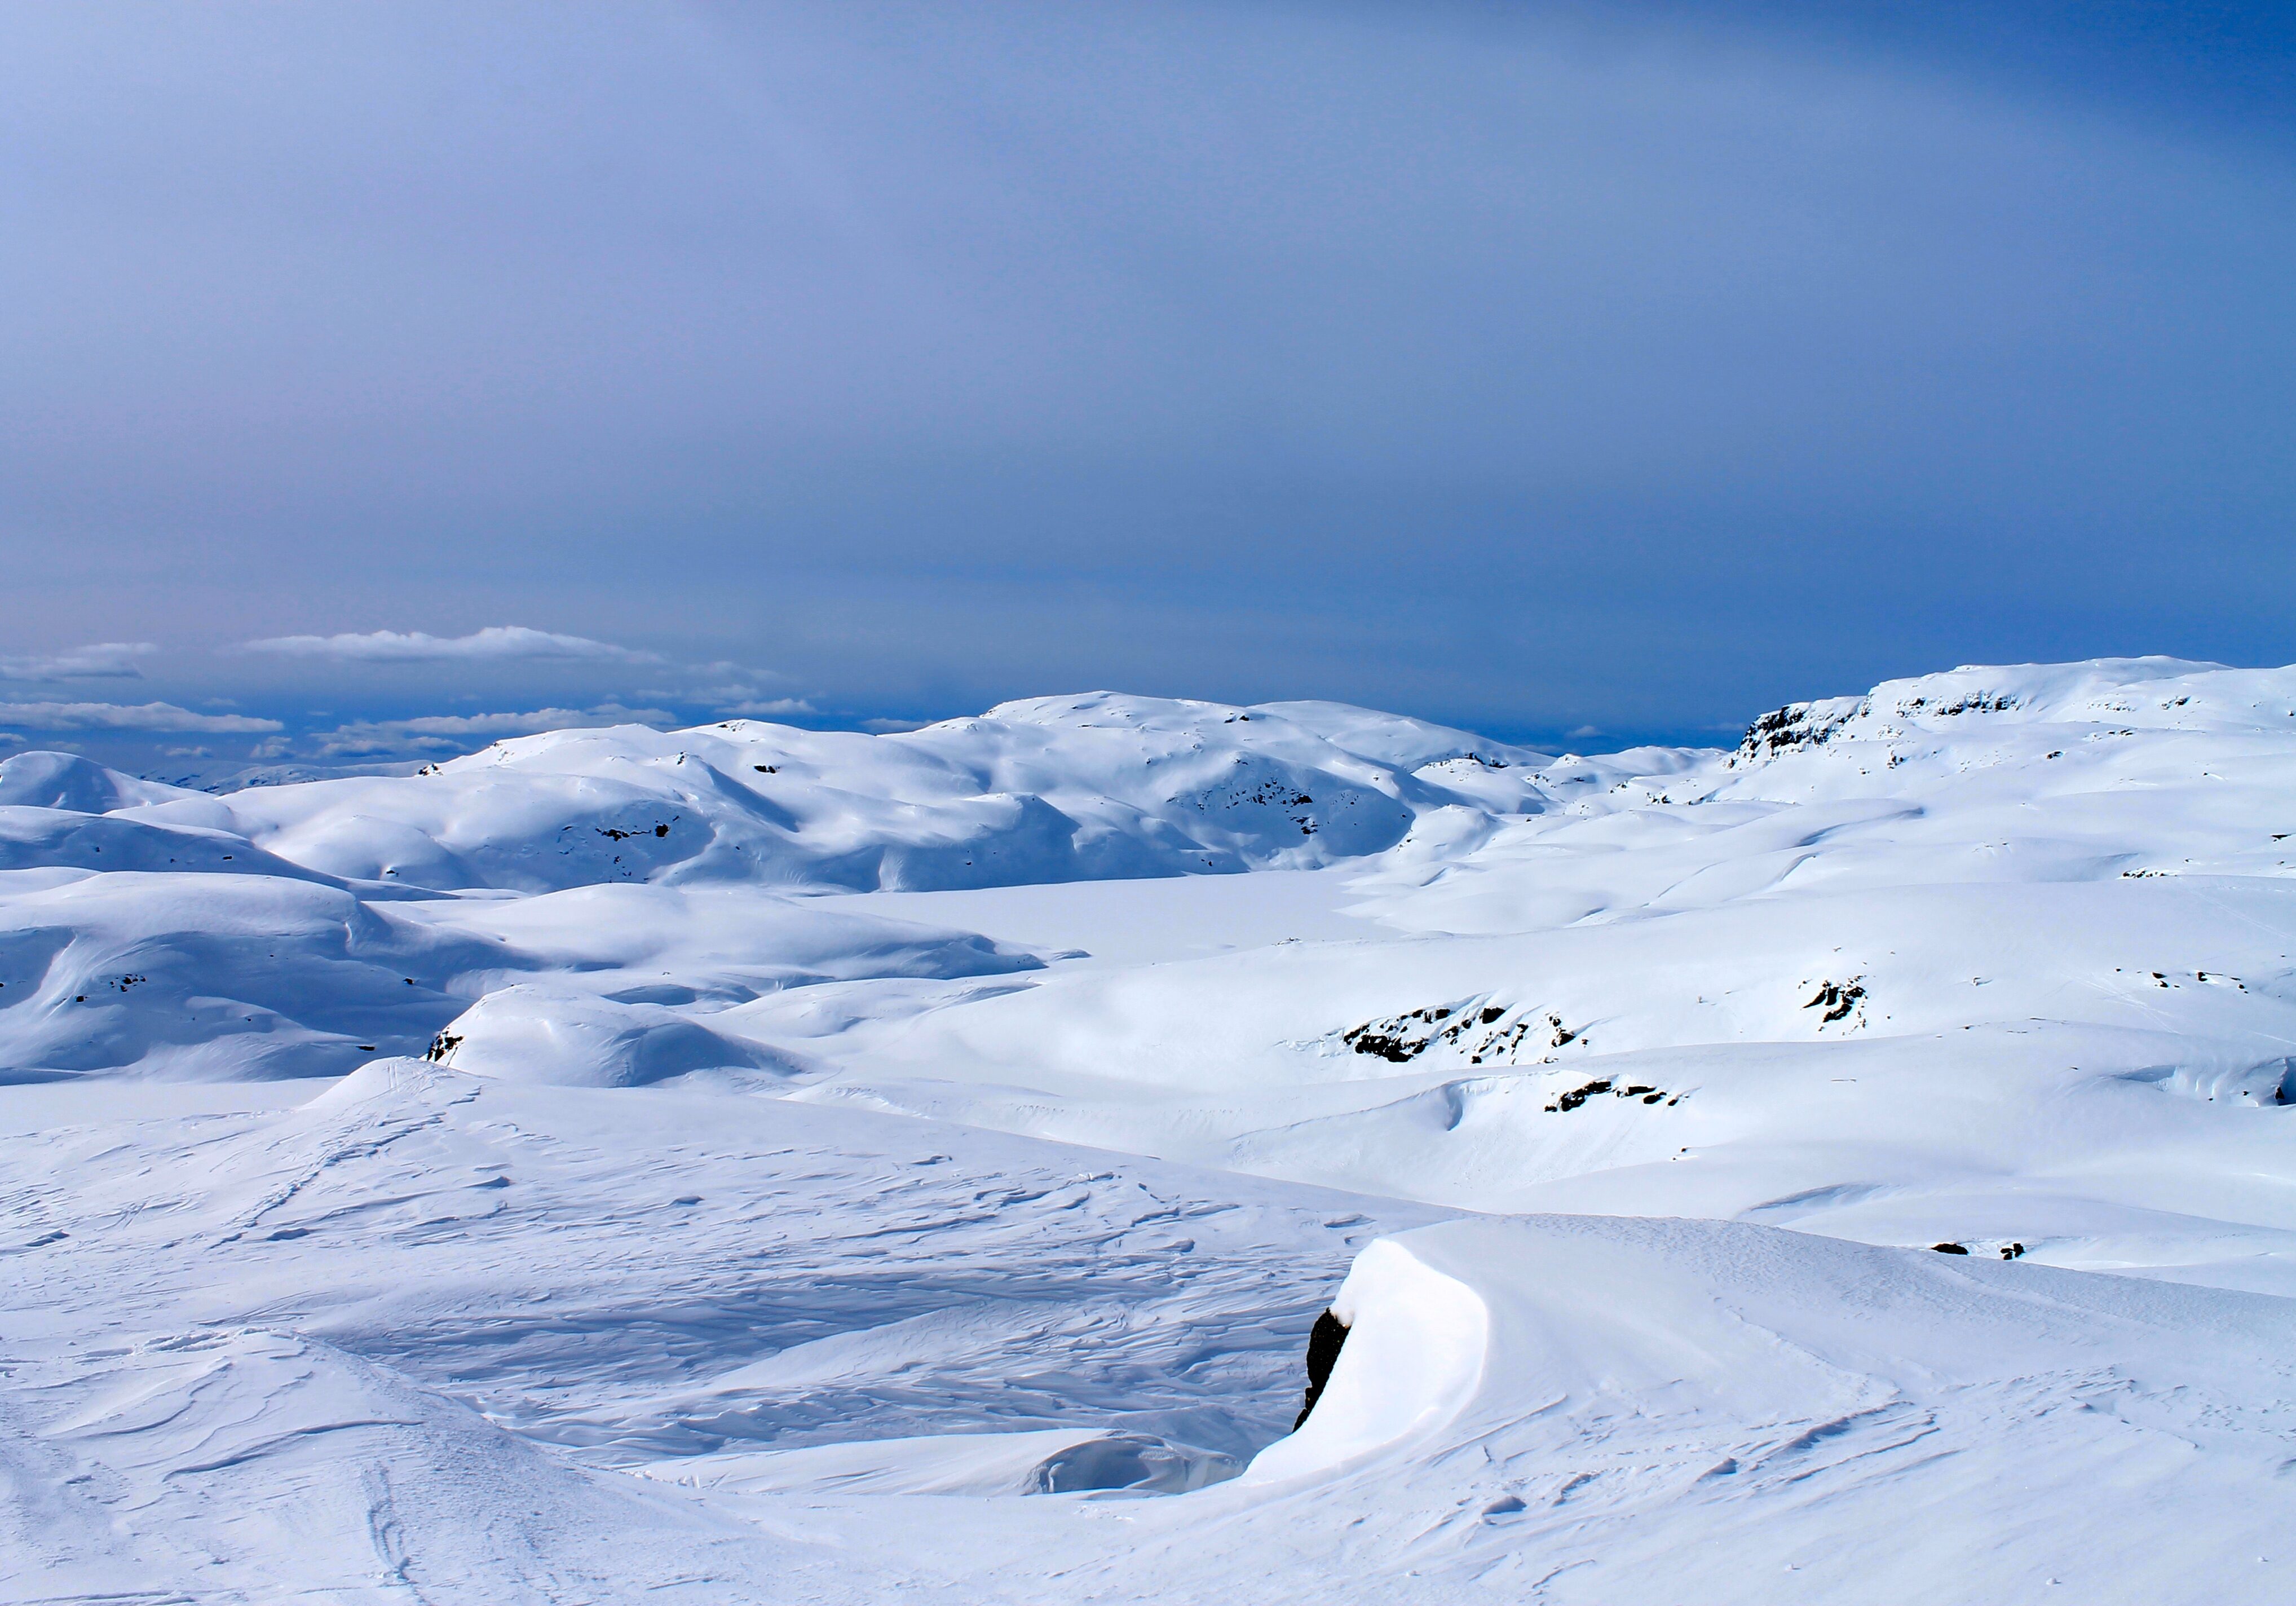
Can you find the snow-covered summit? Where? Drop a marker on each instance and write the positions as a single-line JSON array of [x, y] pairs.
[[44, 779], [1979, 716]]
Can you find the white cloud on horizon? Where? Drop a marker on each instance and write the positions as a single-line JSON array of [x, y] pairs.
[[445, 733], [494, 644], [124, 716], [736, 673], [103, 661], [893, 727], [754, 708]]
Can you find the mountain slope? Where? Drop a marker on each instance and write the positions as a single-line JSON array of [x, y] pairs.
[[1053, 789]]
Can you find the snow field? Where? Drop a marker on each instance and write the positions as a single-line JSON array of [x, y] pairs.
[[779, 1165]]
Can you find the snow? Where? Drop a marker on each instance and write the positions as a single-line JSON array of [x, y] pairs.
[[1418, 1344], [66, 780], [747, 1162], [1055, 788], [1606, 1409]]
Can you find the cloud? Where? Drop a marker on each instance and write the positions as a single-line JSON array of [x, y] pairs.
[[123, 717], [778, 705], [494, 644], [105, 660], [445, 733], [731, 688], [892, 727], [1726, 297], [1584, 730], [733, 673]]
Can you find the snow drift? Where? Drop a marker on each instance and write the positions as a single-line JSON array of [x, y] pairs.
[[1659, 1409]]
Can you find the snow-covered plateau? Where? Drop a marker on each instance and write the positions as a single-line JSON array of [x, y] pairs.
[[748, 1164]]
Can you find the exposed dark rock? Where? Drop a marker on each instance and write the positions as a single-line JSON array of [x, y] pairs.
[[1999, 703], [1948, 1249], [1841, 999], [1324, 1342], [1380, 1045], [1797, 725], [615, 834], [1485, 1032]]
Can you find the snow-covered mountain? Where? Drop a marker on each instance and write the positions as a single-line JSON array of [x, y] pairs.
[[1051, 789], [765, 1156], [292, 930]]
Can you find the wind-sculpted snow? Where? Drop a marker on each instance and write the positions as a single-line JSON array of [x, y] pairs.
[[442, 1336], [688, 1228], [1582, 1409]]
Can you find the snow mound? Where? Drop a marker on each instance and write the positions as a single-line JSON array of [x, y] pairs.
[[385, 1084], [529, 1033], [68, 839], [213, 977], [1417, 1344], [224, 976], [45, 780]]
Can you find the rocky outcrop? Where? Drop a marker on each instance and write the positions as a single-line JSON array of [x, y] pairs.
[[1324, 1342]]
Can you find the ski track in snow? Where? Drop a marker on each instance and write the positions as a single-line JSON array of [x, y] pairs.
[[748, 1163]]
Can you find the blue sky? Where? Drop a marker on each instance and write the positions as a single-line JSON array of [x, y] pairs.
[[1551, 369]]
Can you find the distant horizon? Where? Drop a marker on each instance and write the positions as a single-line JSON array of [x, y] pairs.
[[156, 756]]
